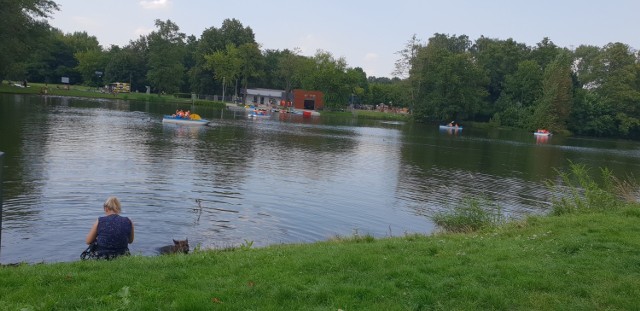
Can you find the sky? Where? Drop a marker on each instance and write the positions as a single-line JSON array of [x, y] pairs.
[[367, 34]]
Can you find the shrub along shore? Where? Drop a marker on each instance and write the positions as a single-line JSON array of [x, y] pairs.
[[583, 256]]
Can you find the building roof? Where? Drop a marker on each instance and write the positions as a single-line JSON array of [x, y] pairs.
[[264, 92]]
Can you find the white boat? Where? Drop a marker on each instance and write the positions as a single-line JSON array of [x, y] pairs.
[[542, 134], [448, 127], [184, 121]]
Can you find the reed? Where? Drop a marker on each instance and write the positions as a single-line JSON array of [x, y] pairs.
[[578, 190], [470, 214]]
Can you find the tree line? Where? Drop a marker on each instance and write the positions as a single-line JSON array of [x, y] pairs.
[[588, 90]]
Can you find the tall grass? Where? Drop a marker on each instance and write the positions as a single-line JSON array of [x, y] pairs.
[[470, 214], [577, 190]]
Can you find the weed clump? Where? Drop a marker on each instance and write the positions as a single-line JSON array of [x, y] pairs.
[[577, 191], [469, 215]]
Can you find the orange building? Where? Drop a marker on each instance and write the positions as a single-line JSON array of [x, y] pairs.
[[309, 100]]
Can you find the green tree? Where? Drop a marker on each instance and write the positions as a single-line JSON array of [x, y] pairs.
[[327, 74], [499, 58], [619, 87], [545, 52], [587, 65], [212, 40], [226, 64], [53, 58], [408, 66], [90, 64], [166, 56], [453, 85], [22, 24], [252, 62], [554, 107], [290, 69], [357, 80], [128, 64], [519, 94]]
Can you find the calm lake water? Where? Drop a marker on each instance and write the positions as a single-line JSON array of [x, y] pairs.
[[283, 179]]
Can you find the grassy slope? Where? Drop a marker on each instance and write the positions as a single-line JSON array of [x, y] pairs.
[[572, 262], [83, 91]]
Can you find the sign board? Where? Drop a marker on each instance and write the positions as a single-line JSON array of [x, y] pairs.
[[65, 80]]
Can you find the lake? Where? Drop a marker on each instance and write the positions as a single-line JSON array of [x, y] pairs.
[[282, 179]]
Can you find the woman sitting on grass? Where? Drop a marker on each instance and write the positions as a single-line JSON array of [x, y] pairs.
[[111, 234]]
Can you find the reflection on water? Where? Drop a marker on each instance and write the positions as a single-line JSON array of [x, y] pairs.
[[280, 179], [541, 140]]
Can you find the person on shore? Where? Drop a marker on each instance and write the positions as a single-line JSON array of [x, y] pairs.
[[111, 234]]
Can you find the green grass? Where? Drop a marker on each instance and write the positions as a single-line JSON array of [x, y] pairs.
[[586, 261], [83, 91], [470, 214], [368, 114]]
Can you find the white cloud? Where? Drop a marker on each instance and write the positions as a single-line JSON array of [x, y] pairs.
[[369, 57], [155, 4]]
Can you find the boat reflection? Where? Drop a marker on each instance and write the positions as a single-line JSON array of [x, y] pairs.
[[542, 139], [455, 131]]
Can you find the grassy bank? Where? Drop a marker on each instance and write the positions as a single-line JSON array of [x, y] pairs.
[[83, 91], [369, 114], [585, 261]]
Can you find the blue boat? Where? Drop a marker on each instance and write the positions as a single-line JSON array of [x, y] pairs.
[[448, 127], [184, 121]]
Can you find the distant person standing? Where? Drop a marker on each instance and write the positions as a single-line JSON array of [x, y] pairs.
[[111, 234]]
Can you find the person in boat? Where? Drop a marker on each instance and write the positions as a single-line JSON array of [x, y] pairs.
[[187, 114], [111, 234]]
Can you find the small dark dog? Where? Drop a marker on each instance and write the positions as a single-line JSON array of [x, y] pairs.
[[180, 246]]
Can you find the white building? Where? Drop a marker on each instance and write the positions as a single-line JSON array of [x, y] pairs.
[[263, 96]]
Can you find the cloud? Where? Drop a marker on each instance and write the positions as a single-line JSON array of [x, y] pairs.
[[155, 4], [370, 57]]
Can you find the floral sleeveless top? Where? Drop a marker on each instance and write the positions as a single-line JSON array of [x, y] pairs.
[[114, 232]]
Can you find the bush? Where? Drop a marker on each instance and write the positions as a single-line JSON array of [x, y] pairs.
[[577, 191], [470, 216]]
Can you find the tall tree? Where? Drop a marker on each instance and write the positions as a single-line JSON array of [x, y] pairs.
[[22, 23], [212, 40], [226, 64], [252, 62], [407, 64], [553, 109], [129, 64], [499, 58], [91, 65], [545, 52], [619, 87], [166, 56], [453, 85]]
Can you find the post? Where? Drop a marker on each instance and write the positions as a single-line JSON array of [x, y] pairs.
[[223, 89], [1, 166]]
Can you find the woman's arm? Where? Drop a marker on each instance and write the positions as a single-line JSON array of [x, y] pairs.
[[93, 233], [131, 237]]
